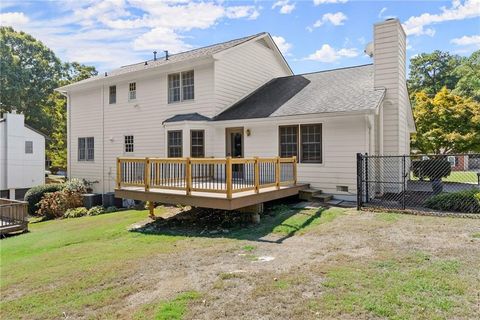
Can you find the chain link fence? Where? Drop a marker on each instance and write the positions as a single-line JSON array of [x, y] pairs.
[[421, 182]]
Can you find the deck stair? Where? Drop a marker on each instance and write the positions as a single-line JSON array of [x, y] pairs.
[[314, 195]]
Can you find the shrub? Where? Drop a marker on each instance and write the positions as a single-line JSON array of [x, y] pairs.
[[35, 194], [76, 212], [111, 209], [462, 201], [95, 211], [433, 169], [76, 186], [55, 204]]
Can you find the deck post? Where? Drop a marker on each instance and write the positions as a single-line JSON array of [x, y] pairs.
[[277, 173], [151, 209], [119, 182], [147, 174], [188, 176], [294, 170], [228, 178], [256, 175]]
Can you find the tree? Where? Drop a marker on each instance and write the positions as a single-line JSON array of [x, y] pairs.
[[446, 123], [430, 72], [29, 73], [56, 110], [468, 72]]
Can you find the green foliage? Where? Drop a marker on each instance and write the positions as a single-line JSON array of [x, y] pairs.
[[75, 185], [176, 309], [446, 123], [111, 209], [462, 201], [430, 72], [431, 168], [35, 194], [29, 73], [76, 212], [469, 72], [95, 211]]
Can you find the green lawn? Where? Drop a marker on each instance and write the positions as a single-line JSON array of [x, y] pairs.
[[458, 176], [92, 267]]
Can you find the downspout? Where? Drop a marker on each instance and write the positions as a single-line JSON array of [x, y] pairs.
[[103, 143], [69, 136]]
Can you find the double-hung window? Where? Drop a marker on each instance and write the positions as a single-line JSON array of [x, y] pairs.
[[132, 91], [181, 86], [112, 95], [174, 143], [311, 143], [86, 149], [197, 143], [304, 140], [288, 141], [129, 147]]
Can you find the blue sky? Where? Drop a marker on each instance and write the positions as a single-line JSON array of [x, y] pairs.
[[313, 35]]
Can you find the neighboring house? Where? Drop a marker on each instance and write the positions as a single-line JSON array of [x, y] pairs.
[[241, 99], [22, 156]]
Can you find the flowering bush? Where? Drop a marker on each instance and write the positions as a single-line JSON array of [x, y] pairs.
[[75, 185], [95, 211]]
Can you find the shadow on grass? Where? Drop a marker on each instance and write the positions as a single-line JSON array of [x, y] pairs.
[[278, 223]]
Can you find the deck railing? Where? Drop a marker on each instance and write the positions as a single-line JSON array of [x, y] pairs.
[[218, 175], [13, 213]]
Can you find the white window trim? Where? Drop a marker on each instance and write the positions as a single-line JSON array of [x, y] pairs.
[[125, 145], [181, 87], [129, 99]]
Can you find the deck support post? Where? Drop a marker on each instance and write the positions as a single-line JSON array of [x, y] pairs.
[[119, 182], [228, 178], [188, 176], [277, 173], [151, 209], [147, 174], [294, 170], [256, 175]]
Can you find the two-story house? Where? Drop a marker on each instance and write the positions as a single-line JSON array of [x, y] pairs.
[[241, 99]]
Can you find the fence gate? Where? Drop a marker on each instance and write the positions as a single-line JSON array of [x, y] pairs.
[[408, 182]]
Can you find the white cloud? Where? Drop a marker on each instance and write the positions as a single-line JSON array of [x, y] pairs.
[[285, 6], [418, 25], [328, 54], [319, 2], [282, 44], [13, 19], [335, 19], [467, 41], [109, 33]]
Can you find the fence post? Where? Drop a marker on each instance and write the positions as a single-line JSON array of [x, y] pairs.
[[403, 181], [188, 176], [359, 181], [119, 176], [256, 175], [228, 179], [367, 198], [147, 174], [277, 173]]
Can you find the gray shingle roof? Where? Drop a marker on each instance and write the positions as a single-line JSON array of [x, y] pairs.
[[188, 117], [172, 58], [339, 90]]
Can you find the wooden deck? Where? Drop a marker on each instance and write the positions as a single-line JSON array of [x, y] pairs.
[[219, 183], [13, 216]]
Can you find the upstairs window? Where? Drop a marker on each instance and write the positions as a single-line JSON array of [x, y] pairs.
[[181, 86], [28, 146], [197, 143], [128, 143], [175, 143], [132, 91], [112, 97], [86, 149]]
